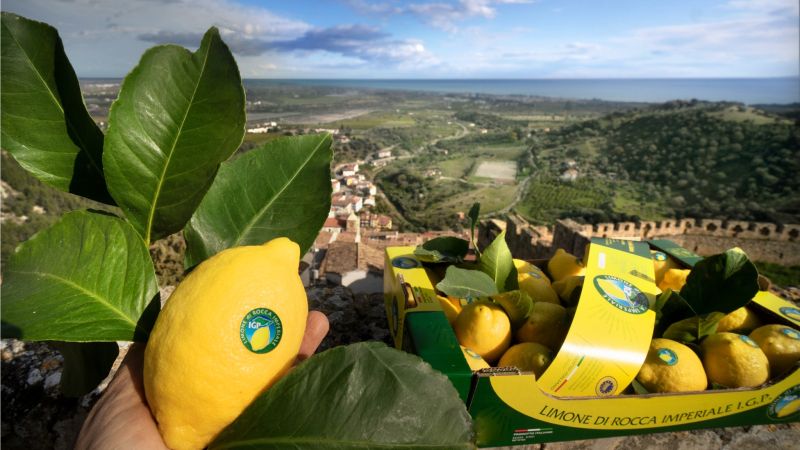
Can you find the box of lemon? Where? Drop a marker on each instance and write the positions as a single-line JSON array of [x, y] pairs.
[[630, 339]]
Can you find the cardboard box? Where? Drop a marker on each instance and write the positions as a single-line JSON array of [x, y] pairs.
[[584, 392]]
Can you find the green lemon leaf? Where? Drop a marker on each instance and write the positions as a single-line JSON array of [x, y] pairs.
[[178, 116], [473, 215], [465, 283], [496, 261], [86, 278], [723, 282], [442, 249], [364, 395], [693, 329], [45, 125], [282, 189], [86, 364]]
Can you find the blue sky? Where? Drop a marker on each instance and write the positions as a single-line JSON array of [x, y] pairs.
[[441, 38]]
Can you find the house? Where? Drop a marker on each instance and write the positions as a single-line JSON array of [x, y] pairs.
[[336, 185], [333, 225], [356, 266], [349, 170], [369, 201], [569, 175], [357, 203], [385, 153]]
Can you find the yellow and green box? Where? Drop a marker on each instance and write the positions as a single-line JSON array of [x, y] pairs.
[[585, 391]]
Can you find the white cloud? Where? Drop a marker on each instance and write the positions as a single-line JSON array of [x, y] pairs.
[[442, 15]]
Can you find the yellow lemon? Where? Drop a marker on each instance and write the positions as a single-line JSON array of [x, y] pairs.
[[672, 367], [229, 331], [474, 360], [742, 320], [567, 286], [661, 263], [674, 279], [781, 344], [527, 357], [484, 328], [534, 282], [517, 305], [451, 308], [734, 360], [563, 265], [547, 324]]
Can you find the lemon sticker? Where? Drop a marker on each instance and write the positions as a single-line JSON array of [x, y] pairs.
[[786, 406], [668, 356], [260, 330], [404, 262], [621, 294], [791, 312], [535, 274], [794, 334], [472, 354], [659, 256], [748, 341]]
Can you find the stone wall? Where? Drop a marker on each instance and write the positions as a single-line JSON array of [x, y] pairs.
[[767, 242]]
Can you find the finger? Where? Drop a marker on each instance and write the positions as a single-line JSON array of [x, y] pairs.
[[316, 328]]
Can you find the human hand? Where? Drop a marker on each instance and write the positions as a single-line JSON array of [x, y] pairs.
[[121, 418]]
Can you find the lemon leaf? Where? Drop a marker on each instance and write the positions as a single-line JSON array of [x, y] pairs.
[[282, 188], [178, 116], [497, 262], [724, 282], [86, 278], [465, 283], [364, 395], [442, 249], [45, 125]]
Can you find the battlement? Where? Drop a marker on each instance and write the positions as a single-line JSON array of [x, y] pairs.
[[763, 241]]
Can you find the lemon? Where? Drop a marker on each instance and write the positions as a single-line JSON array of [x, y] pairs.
[[517, 305], [451, 308], [671, 367], [674, 279], [547, 324], [567, 286], [781, 344], [534, 282], [742, 320], [734, 360], [229, 331], [527, 357], [661, 263], [474, 360], [563, 265], [484, 328]]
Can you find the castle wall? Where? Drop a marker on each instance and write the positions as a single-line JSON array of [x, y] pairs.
[[767, 242]]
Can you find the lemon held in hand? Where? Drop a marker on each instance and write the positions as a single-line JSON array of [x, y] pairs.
[[484, 328], [229, 331], [671, 367], [734, 360], [781, 344]]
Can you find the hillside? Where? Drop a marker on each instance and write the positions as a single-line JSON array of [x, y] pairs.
[[680, 159]]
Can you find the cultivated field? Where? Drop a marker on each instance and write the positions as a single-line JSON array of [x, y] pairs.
[[498, 170]]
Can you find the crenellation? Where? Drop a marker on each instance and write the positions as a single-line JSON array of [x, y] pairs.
[[766, 242]]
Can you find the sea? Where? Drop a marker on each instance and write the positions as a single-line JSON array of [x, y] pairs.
[[783, 90]]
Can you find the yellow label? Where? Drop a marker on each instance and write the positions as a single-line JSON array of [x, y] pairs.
[[414, 295], [631, 412], [610, 334], [779, 306]]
